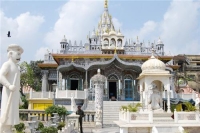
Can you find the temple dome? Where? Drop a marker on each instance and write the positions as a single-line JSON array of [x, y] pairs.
[[159, 41], [153, 64], [64, 40]]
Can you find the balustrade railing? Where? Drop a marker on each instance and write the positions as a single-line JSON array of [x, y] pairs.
[[186, 117], [42, 116], [136, 117], [78, 94]]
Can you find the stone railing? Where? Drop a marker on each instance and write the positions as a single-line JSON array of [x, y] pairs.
[[188, 96], [68, 94], [42, 116], [39, 95], [136, 117], [78, 94], [186, 117], [69, 128]]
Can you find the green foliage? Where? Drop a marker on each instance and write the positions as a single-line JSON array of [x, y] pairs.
[[132, 108], [179, 107], [123, 107], [20, 127], [40, 126], [61, 125], [37, 75], [31, 75], [27, 75], [173, 106], [49, 130], [189, 106], [56, 109], [25, 101]]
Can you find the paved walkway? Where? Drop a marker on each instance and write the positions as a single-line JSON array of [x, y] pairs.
[[102, 130]]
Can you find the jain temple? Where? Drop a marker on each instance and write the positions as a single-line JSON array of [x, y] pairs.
[[109, 72]]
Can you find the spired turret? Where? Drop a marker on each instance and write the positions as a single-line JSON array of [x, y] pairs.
[[160, 47], [63, 45]]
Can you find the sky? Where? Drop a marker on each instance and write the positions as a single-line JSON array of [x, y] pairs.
[[38, 25]]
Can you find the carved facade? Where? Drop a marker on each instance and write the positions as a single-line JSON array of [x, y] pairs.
[[120, 61]]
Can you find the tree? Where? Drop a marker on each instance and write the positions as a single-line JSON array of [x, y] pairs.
[[27, 76], [31, 75], [37, 75]]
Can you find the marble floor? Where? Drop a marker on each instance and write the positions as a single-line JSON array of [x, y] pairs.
[[102, 130]]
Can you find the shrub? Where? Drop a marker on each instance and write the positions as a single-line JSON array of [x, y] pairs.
[[132, 108], [123, 107], [179, 107], [20, 127], [189, 106], [61, 125], [173, 106], [49, 130], [56, 109], [40, 126]]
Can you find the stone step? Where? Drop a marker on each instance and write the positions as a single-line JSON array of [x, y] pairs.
[[162, 114], [167, 129]]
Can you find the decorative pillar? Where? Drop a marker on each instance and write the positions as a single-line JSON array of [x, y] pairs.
[[168, 99], [60, 81], [44, 80], [86, 79], [98, 81]]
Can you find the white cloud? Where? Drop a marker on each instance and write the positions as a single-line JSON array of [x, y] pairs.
[[23, 30], [39, 55], [76, 18], [179, 29], [117, 24]]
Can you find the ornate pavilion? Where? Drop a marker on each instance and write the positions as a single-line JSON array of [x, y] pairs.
[[120, 61]]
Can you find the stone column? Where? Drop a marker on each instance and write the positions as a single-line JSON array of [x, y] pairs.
[[86, 78], [60, 81], [98, 96], [168, 98], [98, 81], [44, 80]]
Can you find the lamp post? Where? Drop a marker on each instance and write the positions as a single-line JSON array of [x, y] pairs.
[[54, 92]]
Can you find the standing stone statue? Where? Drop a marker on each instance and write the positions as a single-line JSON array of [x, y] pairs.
[[10, 79], [73, 104]]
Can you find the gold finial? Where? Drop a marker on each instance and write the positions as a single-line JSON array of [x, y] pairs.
[[115, 52], [87, 36], [137, 38], [106, 4], [107, 30], [96, 33], [72, 59]]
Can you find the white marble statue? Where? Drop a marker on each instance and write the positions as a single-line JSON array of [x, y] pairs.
[[73, 104], [10, 79], [155, 99]]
